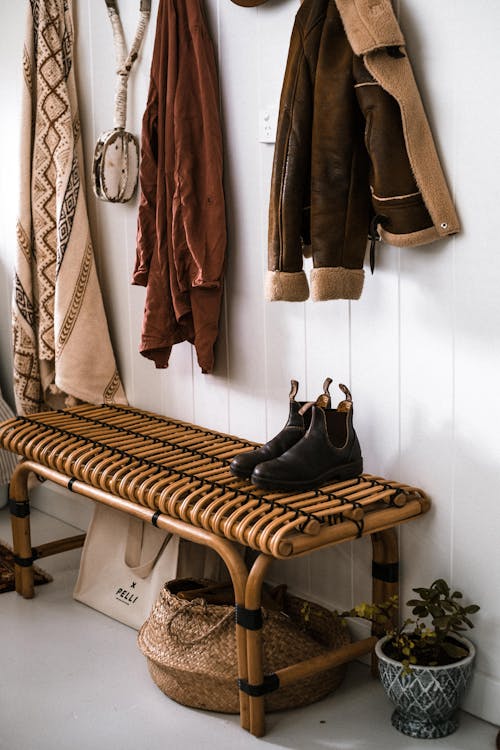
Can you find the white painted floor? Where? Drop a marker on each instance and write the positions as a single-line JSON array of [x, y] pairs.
[[73, 679]]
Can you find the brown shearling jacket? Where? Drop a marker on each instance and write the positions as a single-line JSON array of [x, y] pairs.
[[354, 153]]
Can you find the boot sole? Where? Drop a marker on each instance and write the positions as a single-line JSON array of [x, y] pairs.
[[346, 471]]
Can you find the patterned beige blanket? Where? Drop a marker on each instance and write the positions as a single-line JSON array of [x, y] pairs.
[[7, 460], [62, 348]]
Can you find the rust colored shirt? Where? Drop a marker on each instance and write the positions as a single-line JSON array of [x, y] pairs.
[[181, 235]]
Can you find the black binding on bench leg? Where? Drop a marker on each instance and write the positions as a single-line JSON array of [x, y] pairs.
[[25, 562], [251, 619], [387, 572], [19, 510], [271, 683]]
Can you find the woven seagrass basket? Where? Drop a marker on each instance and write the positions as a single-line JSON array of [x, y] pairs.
[[191, 649]]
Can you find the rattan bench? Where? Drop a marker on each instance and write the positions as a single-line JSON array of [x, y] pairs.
[[176, 475]]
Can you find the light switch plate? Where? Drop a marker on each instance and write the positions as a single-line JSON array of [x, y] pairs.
[[268, 121]]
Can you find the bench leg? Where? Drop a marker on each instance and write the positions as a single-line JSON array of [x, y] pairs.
[[385, 575], [21, 535], [253, 598]]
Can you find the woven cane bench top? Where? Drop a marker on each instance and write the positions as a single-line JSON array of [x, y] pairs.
[[182, 470]]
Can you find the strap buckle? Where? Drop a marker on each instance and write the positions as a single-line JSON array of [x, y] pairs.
[[374, 236]]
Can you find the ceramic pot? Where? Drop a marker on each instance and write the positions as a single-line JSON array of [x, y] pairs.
[[427, 700]]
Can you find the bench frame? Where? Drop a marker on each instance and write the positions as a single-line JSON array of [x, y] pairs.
[[247, 584]]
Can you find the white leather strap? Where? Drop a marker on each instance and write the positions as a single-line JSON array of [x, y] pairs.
[[124, 60]]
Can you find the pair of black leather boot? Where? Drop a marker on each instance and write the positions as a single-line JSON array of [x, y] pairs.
[[317, 445]]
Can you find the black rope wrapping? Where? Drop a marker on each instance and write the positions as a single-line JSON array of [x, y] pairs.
[[335, 518], [397, 491], [165, 420], [159, 441], [360, 525], [271, 682], [137, 461], [26, 562], [387, 572], [19, 509], [251, 619], [224, 486]]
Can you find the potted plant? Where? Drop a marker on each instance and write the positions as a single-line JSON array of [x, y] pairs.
[[425, 664]]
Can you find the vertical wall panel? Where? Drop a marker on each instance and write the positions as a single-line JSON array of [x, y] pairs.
[[375, 364], [427, 326], [375, 384], [328, 354], [328, 347], [238, 44], [475, 556]]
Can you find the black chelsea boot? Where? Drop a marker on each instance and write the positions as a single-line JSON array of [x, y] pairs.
[[328, 451], [298, 422]]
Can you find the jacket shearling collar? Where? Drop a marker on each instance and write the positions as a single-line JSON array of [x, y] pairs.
[[370, 25]]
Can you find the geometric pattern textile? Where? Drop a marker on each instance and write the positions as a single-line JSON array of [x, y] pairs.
[[62, 349], [8, 460], [7, 581]]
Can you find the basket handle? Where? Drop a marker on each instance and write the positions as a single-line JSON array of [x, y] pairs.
[[182, 609]]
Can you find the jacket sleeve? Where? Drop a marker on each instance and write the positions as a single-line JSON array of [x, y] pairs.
[[146, 223], [396, 199], [198, 207], [340, 206], [290, 184]]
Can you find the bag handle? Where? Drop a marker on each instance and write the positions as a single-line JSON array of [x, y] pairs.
[[133, 549], [125, 61]]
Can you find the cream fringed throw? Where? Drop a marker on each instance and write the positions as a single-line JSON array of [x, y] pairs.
[[62, 349], [7, 460]]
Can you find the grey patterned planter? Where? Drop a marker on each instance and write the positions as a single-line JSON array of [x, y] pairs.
[[427, 700]]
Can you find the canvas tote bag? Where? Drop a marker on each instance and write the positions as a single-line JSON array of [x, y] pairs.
[[125, 562]]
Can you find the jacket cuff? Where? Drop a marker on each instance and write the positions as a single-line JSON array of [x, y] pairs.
[[140, 279], [412, 239], [140, 275], [336, 283], [289, 287]]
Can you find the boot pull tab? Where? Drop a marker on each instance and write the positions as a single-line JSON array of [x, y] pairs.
[[307, 406], [294, 387], [345, 390], [324, 399], [347, 403], [326, 391]]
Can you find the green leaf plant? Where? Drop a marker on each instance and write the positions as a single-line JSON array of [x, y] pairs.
[[427, 639]]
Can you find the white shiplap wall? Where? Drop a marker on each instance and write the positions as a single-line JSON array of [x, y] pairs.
[[420, 350]]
